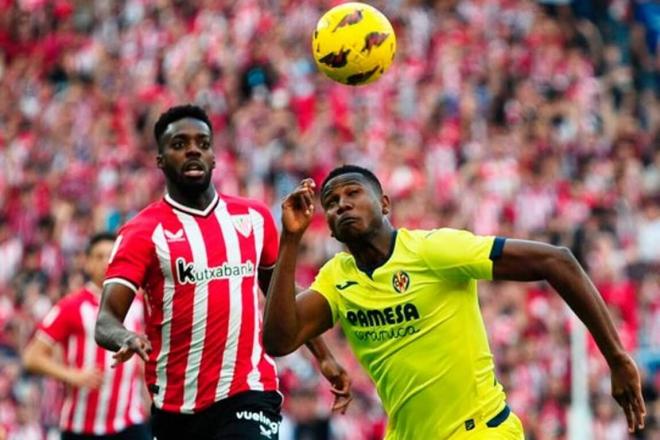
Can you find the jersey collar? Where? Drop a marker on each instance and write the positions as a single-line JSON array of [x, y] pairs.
[[187, 209], [369, 271]]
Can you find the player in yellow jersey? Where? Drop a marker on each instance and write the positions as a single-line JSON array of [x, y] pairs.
[[407, 302]]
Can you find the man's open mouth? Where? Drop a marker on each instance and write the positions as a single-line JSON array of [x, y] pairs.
[[194, 169]]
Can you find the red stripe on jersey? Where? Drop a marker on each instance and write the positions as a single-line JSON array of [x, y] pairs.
[[93, 396], [267, 368], [243, 364], [153, 328], [77, 345], [129, 402], [80, 356], [181, 329], [112, 411], [217, 310]]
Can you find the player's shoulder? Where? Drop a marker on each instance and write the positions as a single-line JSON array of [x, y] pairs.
[[438, 241], [72, 300], [238, 203], [341, 261], [233, 200], [441, 234]]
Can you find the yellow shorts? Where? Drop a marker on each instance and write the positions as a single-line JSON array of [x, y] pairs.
[[509, 429]]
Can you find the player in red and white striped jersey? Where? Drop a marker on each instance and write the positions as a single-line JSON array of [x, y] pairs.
[[201, 258], [100, 402]]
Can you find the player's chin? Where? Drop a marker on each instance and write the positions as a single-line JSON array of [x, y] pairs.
[[347, 233], [195, 183]]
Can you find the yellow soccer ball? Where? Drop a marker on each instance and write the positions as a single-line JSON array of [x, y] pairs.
[[353, 43]]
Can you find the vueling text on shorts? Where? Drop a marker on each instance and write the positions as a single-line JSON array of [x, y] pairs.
[[258, 417]]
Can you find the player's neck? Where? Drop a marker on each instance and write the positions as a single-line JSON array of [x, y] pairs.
[[199, 200], [374, 250]]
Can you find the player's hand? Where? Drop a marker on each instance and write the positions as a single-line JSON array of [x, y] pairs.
[[132, 345], [86, 378], [341, 383], [627, 391], [298, 208]]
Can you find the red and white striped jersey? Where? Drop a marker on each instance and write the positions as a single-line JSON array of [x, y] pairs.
[[119, 402], [199, 273]]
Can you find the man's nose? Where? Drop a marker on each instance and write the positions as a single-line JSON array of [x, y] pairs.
[[343, 204], [193, 150]]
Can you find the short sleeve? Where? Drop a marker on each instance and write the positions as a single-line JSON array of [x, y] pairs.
[[271, 241], [56, 325], [325, 285], [458, 254], [131, 255]]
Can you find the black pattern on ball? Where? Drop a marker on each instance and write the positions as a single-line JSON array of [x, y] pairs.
[[349, 19], [374, 39], [361, 77], [336, 60]]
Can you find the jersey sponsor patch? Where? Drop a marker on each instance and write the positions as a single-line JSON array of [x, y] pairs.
[[189, 273]]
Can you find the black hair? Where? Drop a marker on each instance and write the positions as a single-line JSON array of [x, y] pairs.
[[97, 238], [176, 113], [346, 169]]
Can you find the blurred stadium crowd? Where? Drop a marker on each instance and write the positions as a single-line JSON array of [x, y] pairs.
[[509, 117]]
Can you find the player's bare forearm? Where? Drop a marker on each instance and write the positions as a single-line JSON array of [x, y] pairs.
[[533, 261], [110, 332], [319, 348], [38, 358], [281, 326]]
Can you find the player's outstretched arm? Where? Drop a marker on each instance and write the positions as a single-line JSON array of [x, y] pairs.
[[523, 260], [290, 320], [110, 332]]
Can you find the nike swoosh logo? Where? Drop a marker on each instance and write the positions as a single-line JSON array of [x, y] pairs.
[[346, 285]]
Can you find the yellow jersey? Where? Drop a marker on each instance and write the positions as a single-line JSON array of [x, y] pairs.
[[415, 326]]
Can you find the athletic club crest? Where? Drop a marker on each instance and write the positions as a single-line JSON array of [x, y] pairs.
[[400, 281], [242, 223]]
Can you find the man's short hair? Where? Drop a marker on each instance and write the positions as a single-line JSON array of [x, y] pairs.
[[176, 113], [347, 169], [97, 238]]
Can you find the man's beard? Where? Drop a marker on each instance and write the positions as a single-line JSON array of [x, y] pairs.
[[188, 187]]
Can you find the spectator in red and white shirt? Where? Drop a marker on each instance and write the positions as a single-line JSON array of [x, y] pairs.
[[101, 401], [201, 258]]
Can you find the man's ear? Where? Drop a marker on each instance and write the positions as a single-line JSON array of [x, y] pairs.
[[385, 204], [159, 160]]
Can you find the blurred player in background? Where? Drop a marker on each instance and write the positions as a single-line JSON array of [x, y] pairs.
[[201, 258], [407, 302], [101, 402]]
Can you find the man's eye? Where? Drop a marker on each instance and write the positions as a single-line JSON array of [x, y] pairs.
[[177, 145]]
